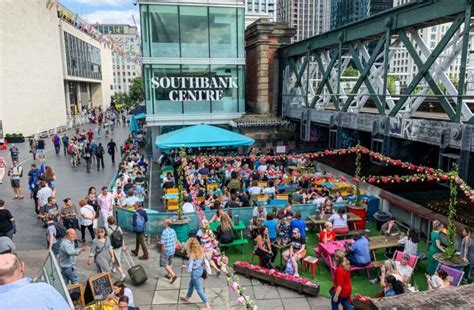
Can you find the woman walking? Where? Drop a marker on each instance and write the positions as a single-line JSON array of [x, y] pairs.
[[50, 178], [342, 288], [33, 147], [101, 251], [3, 167], [87, 219], [196, 268], [116, 233], [435, 246]]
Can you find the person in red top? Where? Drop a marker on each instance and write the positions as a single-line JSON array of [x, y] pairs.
[[327, 234], [342, 287]]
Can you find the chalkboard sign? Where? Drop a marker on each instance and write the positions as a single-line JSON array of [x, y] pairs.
[[79, 289], [98, 287]]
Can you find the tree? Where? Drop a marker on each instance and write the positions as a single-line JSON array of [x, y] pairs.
[[350, 72], [122, 98], [136, 92]]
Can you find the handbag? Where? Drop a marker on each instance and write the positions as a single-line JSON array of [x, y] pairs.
[[207, 266], [98, 252]]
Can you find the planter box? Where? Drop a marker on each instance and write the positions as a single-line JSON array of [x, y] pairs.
[[301, 288], [15, 139]]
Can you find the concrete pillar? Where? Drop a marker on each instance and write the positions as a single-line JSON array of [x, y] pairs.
[[262, 40]]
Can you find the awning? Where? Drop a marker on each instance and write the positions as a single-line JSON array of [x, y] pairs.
[[140, 116], [201, 136], [133, 125]]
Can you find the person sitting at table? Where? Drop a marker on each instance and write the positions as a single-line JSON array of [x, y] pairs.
[[254, 190], [188, 206], [339, 221], [297, 249], [297, 196], [392, 286], [168, 182], [339, 197], [285, 212], [271, 224], [270, 190], [326, 207], [298, 223], [389, 268], [218, 215], [327, 234], [259, 213], [410, 242], [244, 200], [225, 232], [264, 248], [439, 280], [404, 269], [233, 203], [225, 196], [388, 229], [359, 251], [210, 199]]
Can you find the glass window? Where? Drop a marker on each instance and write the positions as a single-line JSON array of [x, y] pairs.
[[229, 102], [196, 106], [194, 32], [223, 32], [161, 99], [240, 33], [164, 31], [241, 89]]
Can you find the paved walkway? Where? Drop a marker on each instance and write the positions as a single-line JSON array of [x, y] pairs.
[[156, 293]]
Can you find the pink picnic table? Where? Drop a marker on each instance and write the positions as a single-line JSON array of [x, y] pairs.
[[327, 251]]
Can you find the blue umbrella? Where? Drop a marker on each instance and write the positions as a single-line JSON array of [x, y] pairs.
[[133, 126]]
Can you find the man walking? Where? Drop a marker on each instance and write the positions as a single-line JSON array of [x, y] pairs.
[[65, 140], [40, 149], [14, 152], [105, 201], [168, 247], [15, 173], [99, 154], [111, 149], [139, 221], [67, 257], [57, 143], [87, 154]]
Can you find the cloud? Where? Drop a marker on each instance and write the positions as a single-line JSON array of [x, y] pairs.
[[112, 17], [104, 2]]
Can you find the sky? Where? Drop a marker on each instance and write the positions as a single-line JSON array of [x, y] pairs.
[[105, 11]]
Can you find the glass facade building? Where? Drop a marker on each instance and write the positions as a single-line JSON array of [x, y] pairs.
[[82, 59], [187, 49]]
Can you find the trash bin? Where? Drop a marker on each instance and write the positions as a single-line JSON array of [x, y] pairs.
[[381, 217]]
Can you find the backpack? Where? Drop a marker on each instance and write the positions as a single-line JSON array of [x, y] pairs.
[[116, 238], [100, 150], [289, 267], [70, 149], [60, 231], [139, 223]]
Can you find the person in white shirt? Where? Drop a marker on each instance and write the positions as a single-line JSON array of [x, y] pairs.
[[87, 219], [120, 290], [270, 191], [131, 199], [105, 200], [119, 195], [254, 189], [259, 213], [188, 206], [43, 194], [403, 269]]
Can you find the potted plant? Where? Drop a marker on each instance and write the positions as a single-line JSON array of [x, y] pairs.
[[14, 138], [180, 222], [449, 256], [356, 207]]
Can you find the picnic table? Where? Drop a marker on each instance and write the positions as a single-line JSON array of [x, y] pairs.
[[170, 196], [382, 242], [281, 248], [317, 221], [240, 227]]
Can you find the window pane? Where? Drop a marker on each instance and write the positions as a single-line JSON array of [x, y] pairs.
[[144, 27], [228, 104], [161, 99], [194, 32], [196, 106], [223, 32], [240, 33], [241, 89], [164, 31]]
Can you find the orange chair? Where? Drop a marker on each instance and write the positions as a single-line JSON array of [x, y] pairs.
[[262, 184], [282, 197], [172, 205], [173, 190]]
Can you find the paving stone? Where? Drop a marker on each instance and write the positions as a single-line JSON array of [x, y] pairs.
[[256, 282], [165, 297], [248, 292], [317, 303], [194, 298], [149, 285], [142, 298], [287, 293], [265, 292], [164, 284], [164, 307], [270, 304], [296, 303]]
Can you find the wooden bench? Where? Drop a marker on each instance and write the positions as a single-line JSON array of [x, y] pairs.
[[349, 234], [240, 242]]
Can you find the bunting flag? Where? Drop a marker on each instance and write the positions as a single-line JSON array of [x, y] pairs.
[[116, 46]]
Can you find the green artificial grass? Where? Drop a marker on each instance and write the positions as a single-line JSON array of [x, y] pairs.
[[360, 283]]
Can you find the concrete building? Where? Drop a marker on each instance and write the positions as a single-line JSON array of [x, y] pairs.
[[256, 9], [125, 70], [308, 17], [344, 12], [50, 69]]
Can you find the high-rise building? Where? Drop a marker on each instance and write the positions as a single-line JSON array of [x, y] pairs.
[[125, 70], [344, 12], [52, 67], [309, 17], [256, 9]]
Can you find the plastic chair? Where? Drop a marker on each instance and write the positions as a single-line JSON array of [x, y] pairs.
[[456, 274], [282, 197], [173, 190], [398, 255]]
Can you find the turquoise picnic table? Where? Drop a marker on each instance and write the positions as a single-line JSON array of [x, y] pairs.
[[170, 196]]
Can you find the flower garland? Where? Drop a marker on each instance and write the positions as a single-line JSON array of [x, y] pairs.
[[182, 155], [234, 284], [450, 250]]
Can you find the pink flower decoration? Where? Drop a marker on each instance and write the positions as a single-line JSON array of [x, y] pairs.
[[241, 300], [343, 179], [235, 286]]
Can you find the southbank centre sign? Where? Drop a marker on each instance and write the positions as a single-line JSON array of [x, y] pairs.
[[194, 88]]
